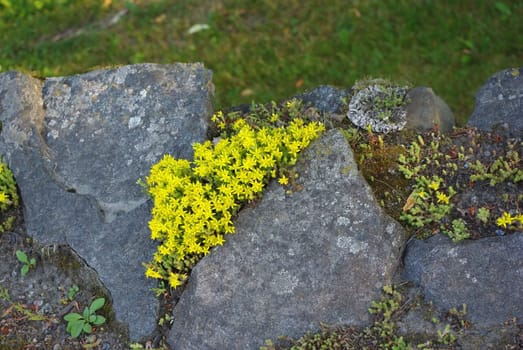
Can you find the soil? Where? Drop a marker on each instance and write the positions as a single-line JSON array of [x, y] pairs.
[[32, 307]]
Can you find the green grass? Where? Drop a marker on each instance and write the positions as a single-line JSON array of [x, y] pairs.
[[267, 50]]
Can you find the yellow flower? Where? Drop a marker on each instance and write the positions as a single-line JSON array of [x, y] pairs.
[[442, 197], [274, 118], [214, 240], [4, 199], [217, 116], [422, 194], [504, 220], [434, 185], [283, 180], [150, 273], [177, 279], [257, 186]]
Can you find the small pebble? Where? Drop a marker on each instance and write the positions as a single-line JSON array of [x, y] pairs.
[[46, 308], [500, 232]]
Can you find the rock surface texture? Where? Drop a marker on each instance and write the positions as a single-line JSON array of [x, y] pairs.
[[499, 104], [318, 254], [486, 274], [77, 145]]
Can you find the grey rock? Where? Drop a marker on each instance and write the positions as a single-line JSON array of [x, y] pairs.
[[319, 254], [423, 321], [485, 274], [426, 109], [77, 145], [325, 98], [492, 338], [499, 104]]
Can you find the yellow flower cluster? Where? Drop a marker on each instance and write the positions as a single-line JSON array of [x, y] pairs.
[[427, 203], [194, 202], [507, 219]]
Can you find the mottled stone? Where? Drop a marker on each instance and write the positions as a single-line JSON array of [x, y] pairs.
[[325, 98], [77, 145], [499, 104], [319, 253], [486, 274]]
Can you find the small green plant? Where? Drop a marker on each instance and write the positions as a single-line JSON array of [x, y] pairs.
[[160, 290], [459, 231], [27, 262], [4, 294], [384, 326], [483, 215], [446, 336], [429, 203], [83, 323], [71, 292], [8, 195], [505, 168]]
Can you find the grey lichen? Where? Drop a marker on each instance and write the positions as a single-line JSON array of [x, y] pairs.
[[379, 105]]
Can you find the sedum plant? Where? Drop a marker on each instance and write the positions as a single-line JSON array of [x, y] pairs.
[[8, 196], [429, 203], [194, 202]]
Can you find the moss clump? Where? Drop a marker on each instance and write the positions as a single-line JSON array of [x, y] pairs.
[[377, 156], [194, 202]]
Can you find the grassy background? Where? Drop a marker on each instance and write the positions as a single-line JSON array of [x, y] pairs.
[[265, 50]]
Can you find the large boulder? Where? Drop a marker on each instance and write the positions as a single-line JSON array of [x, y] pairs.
[[77, 145], [485, 274], [317, 252], [499, 104]]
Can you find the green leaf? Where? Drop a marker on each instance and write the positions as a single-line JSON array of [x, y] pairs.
[[72, 291], [97, 304], [86, 313], [99, 320], [24, 270], [87, 328], [22, 257], [76, 328], [73, 316]]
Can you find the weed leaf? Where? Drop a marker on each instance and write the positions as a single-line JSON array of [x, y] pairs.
[[96, 304]]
